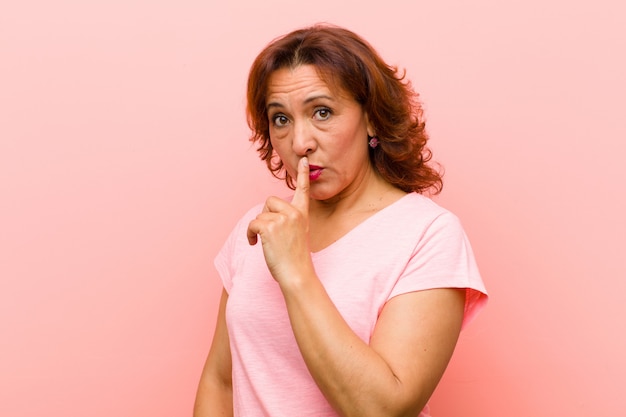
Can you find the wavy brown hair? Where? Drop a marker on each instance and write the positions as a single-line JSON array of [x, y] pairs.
[[345, 60]]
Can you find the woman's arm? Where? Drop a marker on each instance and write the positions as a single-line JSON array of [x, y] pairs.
[[397, 372], [214, 397]]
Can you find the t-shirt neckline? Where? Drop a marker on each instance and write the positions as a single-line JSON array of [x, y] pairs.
[[362, 225]]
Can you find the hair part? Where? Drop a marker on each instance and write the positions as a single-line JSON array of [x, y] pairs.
[[345, 60]]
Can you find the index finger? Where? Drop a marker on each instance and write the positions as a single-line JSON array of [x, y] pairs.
[[301, 197]]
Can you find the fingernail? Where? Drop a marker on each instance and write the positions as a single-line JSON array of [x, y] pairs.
[[305, 161]]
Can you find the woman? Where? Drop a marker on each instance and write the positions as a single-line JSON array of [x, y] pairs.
[[348, 298]]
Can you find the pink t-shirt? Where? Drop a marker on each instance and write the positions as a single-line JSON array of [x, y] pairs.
[[411, 245]]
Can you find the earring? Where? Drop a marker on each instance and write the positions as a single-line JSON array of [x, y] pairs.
[[373, 142]]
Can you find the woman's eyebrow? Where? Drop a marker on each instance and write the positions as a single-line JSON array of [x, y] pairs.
[[317, 97], [306, 101], [273, 104]]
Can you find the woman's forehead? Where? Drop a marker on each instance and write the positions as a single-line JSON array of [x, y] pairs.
[[303, 78]]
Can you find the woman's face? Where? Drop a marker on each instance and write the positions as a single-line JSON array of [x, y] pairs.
[[308, 117]]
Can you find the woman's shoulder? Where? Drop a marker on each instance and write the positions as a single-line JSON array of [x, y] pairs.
[[418, 217], [415, 204]]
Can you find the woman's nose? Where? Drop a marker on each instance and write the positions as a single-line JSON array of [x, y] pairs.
[[303, 140]]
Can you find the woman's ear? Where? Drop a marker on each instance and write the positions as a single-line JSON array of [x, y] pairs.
[[371, 132]]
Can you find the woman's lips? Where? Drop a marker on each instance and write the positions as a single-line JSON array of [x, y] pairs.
[[314, 172]]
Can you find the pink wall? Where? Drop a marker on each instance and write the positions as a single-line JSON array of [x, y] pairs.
[[124, 163]]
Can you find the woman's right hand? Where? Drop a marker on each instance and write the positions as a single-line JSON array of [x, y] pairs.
[[284, 231]]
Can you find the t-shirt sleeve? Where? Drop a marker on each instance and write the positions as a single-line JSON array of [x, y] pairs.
[[443, 258], [227, 259]]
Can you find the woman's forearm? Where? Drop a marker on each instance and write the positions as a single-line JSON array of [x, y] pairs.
[[396, 373], [353, 377]]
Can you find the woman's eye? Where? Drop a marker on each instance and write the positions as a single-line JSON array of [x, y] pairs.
[[280, 120], [322, 113]]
